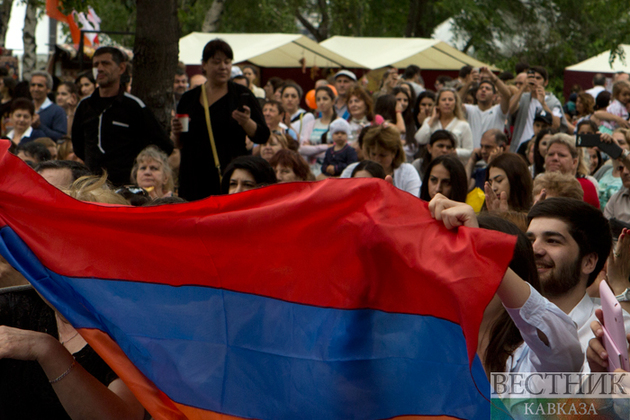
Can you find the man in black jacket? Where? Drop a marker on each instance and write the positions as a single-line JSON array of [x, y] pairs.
[[111, 126]]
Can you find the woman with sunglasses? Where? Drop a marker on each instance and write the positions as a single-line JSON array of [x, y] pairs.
[[448, 115]]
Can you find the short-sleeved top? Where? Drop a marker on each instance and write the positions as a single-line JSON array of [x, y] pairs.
[[618, 109], [618, 206], [482, 121]]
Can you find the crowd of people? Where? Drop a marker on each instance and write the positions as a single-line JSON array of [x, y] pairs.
[[493, 151]]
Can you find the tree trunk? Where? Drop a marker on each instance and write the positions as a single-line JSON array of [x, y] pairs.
[[7, 5], [155, 56], [421, 20], [213, 17], [29, 60]]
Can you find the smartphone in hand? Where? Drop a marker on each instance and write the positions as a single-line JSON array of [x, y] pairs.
[[242, 101], [594, 140], [614, 330]]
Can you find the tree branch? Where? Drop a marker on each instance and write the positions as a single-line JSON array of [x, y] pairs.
[[309, 27]]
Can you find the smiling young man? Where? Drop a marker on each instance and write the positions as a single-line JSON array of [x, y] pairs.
[[111, 126], [571, 241]]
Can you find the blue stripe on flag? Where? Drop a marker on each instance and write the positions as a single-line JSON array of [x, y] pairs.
[[252, 356]]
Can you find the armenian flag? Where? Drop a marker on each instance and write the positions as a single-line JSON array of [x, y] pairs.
[[340, 299]]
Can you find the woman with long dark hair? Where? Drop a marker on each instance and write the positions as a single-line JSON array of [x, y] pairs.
[[445, 175], [508, 178]]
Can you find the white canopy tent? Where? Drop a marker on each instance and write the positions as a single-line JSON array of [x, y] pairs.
[[374, 53], [601, 63], [265, 50]]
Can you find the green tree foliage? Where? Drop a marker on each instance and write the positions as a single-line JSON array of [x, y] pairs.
[[553, 34], [258, 16]]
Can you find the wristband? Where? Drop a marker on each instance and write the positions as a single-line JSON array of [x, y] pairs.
[[63, 375], [624, 297]]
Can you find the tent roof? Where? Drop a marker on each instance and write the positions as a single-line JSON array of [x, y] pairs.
[[374, 53], [600, 63], [265, 50]]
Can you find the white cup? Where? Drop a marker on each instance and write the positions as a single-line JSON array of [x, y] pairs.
[[184, 119]]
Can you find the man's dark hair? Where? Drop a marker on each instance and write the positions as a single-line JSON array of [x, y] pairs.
[[241, 77], [590, 123], [444, 79], [599, 80], [117, 55], [521, 67], [488, 82], [465, 71], [179, 71], [587, 225], [78, 169], [603, 100], [23, 104], [540, 70], [258, 167], [35, 150], [9, 82], [506, 76], [215, 46], [411, 71]]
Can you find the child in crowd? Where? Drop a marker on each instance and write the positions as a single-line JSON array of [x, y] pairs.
[[621, 98], [341, 154]]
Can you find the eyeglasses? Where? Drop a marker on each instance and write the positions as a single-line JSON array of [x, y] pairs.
[[128, 191]]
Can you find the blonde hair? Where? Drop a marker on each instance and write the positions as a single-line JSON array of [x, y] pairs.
[[153, 153], [64, 149], [569, 141], [558, 185], [386, 136], [95, 189]]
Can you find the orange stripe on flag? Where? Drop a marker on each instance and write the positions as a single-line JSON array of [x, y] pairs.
[[155, 401]]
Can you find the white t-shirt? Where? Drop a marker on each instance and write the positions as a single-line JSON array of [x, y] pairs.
[[482, 121], [535, 105]]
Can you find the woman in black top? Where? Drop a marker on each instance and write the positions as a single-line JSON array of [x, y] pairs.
[[198, 175]]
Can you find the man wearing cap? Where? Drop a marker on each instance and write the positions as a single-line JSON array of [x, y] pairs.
[[529, 99], [344, 81], [542, 121]]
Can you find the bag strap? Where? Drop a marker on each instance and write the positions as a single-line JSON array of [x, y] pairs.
[[210, 133]]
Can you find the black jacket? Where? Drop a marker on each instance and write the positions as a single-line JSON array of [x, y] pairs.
[[112, 137]]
